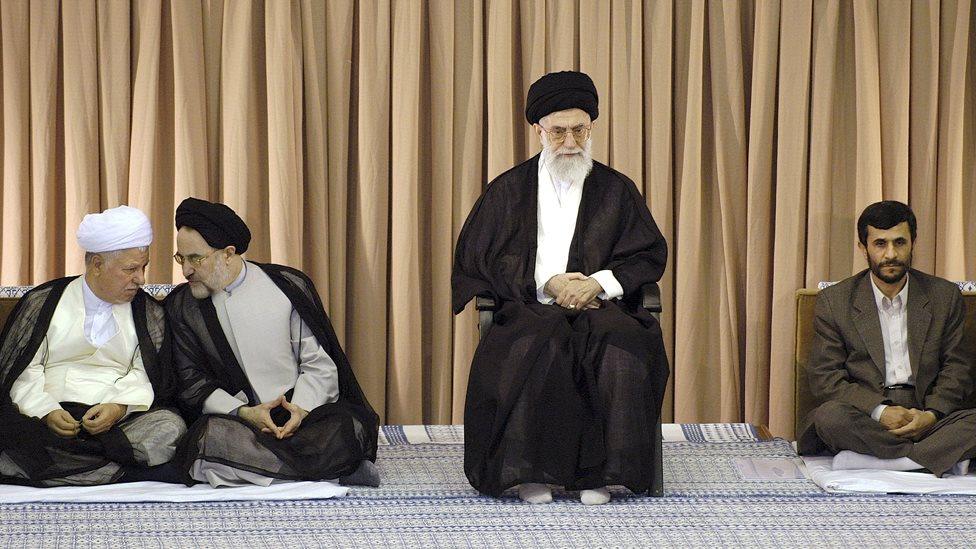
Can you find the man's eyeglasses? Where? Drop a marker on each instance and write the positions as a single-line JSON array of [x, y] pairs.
[[558, 134], [194, 259]]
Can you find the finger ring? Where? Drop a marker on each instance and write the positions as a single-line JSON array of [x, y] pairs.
[[572, 306]]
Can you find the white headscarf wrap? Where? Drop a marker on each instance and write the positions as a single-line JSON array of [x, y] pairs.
[[118, 228]]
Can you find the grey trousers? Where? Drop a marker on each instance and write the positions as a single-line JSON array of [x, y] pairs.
[[153, 436], [952, 439]]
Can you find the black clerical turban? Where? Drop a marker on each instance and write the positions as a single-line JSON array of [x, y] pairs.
[[559, 91], [219, 225]]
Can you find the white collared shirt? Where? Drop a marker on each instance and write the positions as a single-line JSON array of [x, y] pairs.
[[559, 203], [893, 314], [100, 324]]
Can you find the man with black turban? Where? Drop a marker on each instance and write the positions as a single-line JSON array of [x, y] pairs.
[[260, 366], [566, 387]]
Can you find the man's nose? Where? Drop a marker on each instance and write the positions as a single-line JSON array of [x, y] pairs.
[[889, 252], [140, 278], [187, 269]]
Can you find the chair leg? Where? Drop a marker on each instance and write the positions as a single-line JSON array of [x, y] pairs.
[[657, 484]]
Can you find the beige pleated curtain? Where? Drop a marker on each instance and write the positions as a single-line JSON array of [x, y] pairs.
[[354, 136]]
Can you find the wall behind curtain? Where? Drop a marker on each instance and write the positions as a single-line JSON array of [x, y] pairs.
[[354, 136]]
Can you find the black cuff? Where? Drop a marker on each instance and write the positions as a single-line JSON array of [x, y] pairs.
[[938, 415]]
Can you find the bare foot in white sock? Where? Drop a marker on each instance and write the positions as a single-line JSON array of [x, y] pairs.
[[595, 497], [532, 492], [960, 469]]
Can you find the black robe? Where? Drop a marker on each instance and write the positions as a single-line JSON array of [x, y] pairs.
[[27, 440], [557, 396], [333, 439]]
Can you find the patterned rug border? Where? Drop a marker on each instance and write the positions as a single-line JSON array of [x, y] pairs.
[[719, 433]]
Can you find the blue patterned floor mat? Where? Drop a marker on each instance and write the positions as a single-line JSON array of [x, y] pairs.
[[425, 501]]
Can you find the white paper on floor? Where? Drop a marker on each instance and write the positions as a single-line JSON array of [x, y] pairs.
[[819, 470], [768, 468], [132, 492]]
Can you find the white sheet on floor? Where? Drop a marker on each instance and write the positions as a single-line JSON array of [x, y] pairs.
[[132, 492], [884, 482]]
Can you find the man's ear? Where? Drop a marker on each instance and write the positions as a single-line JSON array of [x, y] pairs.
[[863, 248], [231, 250], [97, 263]]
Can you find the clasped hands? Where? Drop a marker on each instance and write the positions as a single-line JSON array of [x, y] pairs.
[[98, 419], [260, 417], [908, 423], [574, 291]]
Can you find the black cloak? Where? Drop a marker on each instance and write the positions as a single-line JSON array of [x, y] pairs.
[[332, 440], [558, 396]]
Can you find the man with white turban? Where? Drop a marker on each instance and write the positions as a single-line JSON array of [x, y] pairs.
[[85, 369]]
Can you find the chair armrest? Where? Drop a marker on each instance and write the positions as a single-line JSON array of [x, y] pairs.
[[486, 307], [651, 297], [483, 303]]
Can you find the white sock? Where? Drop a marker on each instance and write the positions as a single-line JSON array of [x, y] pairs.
[[847, 459], [532, 492], [595, 497], [960, 469]]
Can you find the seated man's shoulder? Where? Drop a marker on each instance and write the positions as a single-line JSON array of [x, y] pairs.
[[274, 269], [844, 289], [179, 299], [290, 276], [43, 291], [612, 176], [517, 172], [935, 285]]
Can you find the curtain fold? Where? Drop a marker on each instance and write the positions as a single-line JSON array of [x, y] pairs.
[[354, 137]]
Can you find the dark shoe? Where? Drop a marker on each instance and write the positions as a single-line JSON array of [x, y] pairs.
[[365, 475]]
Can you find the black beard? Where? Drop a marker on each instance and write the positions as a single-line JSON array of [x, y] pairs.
[[893, 278]]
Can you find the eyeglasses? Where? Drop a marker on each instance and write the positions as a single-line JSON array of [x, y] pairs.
[[194, 259], [558, 135]]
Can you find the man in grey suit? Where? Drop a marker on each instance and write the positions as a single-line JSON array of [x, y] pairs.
[[889, 364]]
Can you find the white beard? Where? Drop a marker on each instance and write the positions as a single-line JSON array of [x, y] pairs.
[[570, 168]]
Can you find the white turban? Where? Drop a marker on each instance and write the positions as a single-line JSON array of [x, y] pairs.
[[118, 228]]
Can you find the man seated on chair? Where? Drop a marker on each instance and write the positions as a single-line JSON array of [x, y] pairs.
[[888, 363], [258, 358], [85, 368], [566, 388]]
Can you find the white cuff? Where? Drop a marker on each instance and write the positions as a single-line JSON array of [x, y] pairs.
[[220, 402], [42, 411], [611, 287], [542, 297], [878, 410]]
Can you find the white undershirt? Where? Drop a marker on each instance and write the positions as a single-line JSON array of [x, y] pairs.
[[894, 331], [559, 203], [100, 325]]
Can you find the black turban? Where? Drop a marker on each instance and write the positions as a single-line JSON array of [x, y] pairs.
[[219, 225], [559, 91]]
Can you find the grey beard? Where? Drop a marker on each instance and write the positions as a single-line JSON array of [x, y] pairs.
[[208, 288], [572, 168]]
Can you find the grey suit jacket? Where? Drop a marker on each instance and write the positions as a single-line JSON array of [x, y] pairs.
[[847, 361]]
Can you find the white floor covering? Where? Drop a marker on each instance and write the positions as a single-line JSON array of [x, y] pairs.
[[870, 481]]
